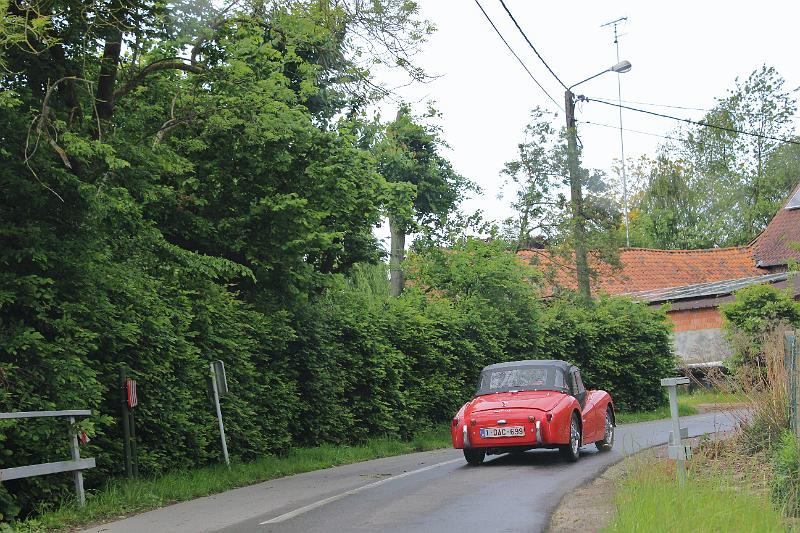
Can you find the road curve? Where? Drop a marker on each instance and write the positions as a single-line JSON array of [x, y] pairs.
[[421, 492]]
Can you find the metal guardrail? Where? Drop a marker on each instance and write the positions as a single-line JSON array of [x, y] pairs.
[[76, 465]]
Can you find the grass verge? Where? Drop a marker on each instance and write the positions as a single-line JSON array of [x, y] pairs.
[[687, 405], [123, 497], [712, 500]]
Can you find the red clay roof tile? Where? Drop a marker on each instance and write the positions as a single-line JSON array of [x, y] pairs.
[[772, 246], [647, 269]]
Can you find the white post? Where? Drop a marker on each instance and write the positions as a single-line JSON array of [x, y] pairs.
[[219, 415], [677, 451], [77, 475]]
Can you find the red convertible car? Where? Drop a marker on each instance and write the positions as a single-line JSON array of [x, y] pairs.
[[533, 404]]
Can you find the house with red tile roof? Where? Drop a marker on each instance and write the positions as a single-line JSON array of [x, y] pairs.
[[695, 282]]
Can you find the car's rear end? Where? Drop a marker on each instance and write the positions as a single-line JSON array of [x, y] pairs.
[[506, 422]]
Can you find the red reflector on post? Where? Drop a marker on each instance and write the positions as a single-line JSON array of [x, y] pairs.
[[130, 386]]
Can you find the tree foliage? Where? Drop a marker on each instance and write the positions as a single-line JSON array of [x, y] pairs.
[[543, 216], [189, 182], [757, 311], [714, 187]]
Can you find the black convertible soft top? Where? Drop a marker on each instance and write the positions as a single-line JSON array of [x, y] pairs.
[[533, 362], [530, 374]]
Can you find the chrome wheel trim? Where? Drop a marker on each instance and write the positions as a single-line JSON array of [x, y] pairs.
[[574, 436], [609, 428]]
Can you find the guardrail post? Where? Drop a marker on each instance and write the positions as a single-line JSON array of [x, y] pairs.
[[77, 475]]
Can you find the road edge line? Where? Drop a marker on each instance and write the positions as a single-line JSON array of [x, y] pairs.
[[331, 499]]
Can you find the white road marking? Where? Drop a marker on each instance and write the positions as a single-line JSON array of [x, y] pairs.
[[326, 501]]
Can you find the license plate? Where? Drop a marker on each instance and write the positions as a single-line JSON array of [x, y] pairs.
[[511, 431]]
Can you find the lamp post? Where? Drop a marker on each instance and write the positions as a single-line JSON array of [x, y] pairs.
[[576, 192]]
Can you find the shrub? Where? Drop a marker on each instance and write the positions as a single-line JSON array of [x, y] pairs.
[[341, 365], [756, 311], [620, 346]]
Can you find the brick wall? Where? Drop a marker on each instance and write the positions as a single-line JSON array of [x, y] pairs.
[[694, 319]]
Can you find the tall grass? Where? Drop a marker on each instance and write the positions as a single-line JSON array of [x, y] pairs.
[[762, 386], [730, 481], [123, 497], [650, 500]]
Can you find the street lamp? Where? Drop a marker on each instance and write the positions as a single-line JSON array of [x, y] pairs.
[[576, 193]]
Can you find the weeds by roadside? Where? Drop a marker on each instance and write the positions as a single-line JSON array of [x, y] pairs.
[[122, 497], [712, 500], [749, 481]]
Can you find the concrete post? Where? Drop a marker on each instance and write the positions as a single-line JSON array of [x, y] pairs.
[[677, 451], [77, 475]]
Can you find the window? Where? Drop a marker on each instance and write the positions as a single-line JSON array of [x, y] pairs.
[[522, 378], [581, 388], [794, 203], [559, 382]]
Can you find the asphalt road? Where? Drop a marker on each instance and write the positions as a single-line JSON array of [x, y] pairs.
[[422, 492]]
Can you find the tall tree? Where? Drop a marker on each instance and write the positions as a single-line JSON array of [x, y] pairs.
[[732, 182], [540, 179], [422, 187], [181, 182]]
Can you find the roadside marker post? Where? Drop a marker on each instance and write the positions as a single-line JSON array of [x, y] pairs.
[[677, 451], [219, 384]]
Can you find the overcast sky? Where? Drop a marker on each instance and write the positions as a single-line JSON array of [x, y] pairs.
[[683, 54]]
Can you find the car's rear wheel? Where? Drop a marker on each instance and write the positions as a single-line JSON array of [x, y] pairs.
[[607, 443], [474, 456], [572, 450]]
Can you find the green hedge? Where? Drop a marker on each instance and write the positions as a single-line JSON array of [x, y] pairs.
[[620, 346], [339, 367]]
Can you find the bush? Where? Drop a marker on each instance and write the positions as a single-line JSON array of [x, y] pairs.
[[620, 346], [757, 311]]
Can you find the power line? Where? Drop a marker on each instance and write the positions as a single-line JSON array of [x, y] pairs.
[[687, 108], [533, 47], [516, 56], [630, 130], [657, 105], [695, 122]]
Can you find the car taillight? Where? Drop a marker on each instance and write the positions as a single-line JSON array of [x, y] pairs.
[[549, 417], [455, 422]]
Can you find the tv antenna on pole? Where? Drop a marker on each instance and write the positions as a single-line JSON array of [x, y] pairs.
[[615, 24]]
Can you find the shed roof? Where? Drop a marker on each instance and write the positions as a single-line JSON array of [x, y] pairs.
[[702, 290], [648, 270]]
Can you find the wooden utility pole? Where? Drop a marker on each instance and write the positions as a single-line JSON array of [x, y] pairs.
[[576, 192], [396, 256], [126, 422]]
